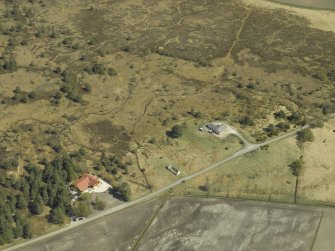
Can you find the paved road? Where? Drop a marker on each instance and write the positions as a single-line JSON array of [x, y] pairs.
[[248, 148]]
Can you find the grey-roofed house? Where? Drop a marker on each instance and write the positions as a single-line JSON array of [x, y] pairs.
[[218, 129]]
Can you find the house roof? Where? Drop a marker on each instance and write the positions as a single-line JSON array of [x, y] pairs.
[[210, 126], [217, 128], [220, 128], [85, 181]]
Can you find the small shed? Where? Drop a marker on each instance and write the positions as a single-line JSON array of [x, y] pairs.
[[173, 170]]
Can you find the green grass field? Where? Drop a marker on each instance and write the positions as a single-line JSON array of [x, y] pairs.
[[192, 152], [262, 174]]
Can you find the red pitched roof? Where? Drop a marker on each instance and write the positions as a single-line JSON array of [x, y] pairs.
[[86, 181]]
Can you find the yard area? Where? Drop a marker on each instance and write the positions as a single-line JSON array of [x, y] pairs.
[[192, 152], [102, 187], [263, 174], [266, 173]]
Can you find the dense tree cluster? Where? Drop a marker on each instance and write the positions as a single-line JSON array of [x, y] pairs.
[[31, 194], [12, 223]]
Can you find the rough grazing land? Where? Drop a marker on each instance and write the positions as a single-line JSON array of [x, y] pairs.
[[115, 76], [104, 81], [211, 224]]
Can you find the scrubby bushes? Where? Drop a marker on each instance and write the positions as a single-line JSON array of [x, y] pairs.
[[175, 132], [246, 121], [13, 163], [69, 42], [195, 114], [8, 65], [284, 126], [112, 165], [122, 192], [271, 130], [99, 204], [22, 96], [305, 135], [316, 123], [296, 167], [82, 209], [280, 115], [100, 69], [297, 118], [328, 108], [72, 92], [73, 88]]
